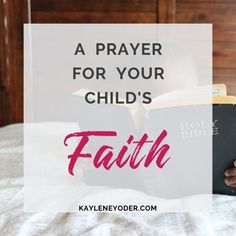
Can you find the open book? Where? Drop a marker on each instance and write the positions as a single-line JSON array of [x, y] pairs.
[[144, 116]]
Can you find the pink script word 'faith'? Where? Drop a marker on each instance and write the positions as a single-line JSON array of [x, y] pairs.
[[104, 154]]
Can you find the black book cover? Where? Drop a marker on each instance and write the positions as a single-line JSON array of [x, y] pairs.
[[224, 146]]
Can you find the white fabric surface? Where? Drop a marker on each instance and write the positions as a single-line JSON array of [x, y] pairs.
[[221, 220]]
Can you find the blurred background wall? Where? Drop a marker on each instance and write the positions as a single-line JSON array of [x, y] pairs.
[[13, 13]]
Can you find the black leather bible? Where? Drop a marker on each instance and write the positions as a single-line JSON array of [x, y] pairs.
[[224, 146]]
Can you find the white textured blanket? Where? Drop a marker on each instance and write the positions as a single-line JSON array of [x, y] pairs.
[[13, 221]]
